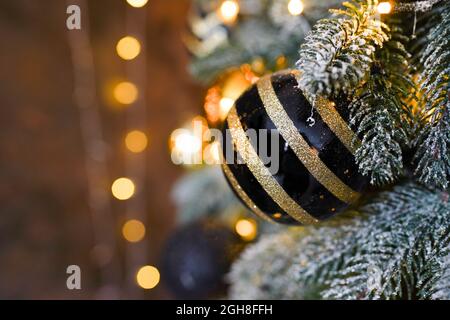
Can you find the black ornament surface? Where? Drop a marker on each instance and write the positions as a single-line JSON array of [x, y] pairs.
[[196, 259], [317, 176]]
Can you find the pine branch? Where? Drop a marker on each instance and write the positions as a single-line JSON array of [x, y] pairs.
[[425, 22], [265, 272], [380, 111], [400, 248], [418, 6], [293, 264], [396, 250], [322, 254], [433, 153], [425, 260], [337, 54], [380, 156], [441, 288], [353, 54]]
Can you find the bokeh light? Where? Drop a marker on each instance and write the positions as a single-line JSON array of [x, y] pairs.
[[137, 3], [295, 7], [229, 11], [225, 105], [187, 143], [128, 48], [133, 230], [136, 141], [123, 188], [125, 92], [384, 7], [212, 104], [148, 277], [247, 229]]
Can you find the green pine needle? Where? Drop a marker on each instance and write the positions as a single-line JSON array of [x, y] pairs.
[[336, 56], [433, 142]]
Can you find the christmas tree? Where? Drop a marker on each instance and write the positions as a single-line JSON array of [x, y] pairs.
[[391, 62]]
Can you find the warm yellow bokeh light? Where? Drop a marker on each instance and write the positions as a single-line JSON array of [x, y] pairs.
[[247, 229], [136, 141], [258, 65], [126, 93], [295, 7], [225, 105], [133, 230], [187, 143], [128, 48], [123, 188], [137, 3], [229, 11], [148, 277], [384, 7]]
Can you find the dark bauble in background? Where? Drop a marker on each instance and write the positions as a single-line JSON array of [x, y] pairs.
[[196, 259], [315, 175]]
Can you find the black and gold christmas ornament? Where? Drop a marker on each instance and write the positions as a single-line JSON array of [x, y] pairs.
[[312, 174]]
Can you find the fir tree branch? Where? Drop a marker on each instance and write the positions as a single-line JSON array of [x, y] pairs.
[[380, 156], [396, 250], [433, 152], [337, 54], [441, 288], [265, 272], [400, 248], [292, 264], [380, 111], [418, 6], [340, 56]]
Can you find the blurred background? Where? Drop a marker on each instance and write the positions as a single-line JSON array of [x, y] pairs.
[[98, 99], [51, 179]]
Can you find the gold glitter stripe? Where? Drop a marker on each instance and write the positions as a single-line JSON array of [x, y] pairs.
[[335, 122], [249, 202], [262, 174], [307, 155]]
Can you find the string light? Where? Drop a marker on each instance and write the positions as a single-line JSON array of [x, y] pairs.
[[225, 105], [212, 104], [221, 97], [133, 230], [249, 75], [137, 3], [148, 277], [258, 65], [384, 7], [136, 141], [295, 7], [123, 188], [246, 229], [187, 143], [229, 11], [128, 48], [281, 62], [126, 93]]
